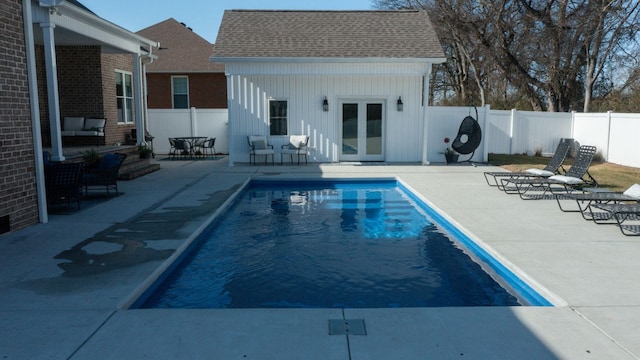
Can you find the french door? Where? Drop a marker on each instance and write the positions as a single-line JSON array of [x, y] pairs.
[[362, 124]]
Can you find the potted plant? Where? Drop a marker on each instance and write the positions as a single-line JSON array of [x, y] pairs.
[[91, 157], [144, 151], [450, 155]]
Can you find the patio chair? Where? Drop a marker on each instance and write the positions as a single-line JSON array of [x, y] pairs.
[[469, 136], [576, 177], [298, 145], [208, 147], [624, 213], [586, 200], [552, 168], [62, 182], [179, 147], [104, 174], [259, 146]]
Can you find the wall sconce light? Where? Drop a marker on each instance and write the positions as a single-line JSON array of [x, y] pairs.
[[325, 104], [400, 104]]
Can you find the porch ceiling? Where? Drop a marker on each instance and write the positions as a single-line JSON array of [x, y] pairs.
[[65, 37]]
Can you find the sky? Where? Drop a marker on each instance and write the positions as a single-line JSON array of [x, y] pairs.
[[202, 16]]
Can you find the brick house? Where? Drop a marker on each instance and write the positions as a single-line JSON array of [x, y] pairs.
[[66, 64], [183, 76]]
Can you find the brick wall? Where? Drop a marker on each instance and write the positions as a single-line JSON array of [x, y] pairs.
[[205, 90], [111, 63], [18, 193], [86, 85], [80, 81]]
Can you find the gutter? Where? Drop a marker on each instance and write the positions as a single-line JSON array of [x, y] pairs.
[[223, 59]]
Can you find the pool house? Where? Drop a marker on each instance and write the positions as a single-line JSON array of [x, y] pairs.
[[355, 82]]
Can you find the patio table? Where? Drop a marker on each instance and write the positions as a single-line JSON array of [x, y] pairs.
[[192, 143]]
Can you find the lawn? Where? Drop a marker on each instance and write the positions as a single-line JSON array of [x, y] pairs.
[[613, 176]]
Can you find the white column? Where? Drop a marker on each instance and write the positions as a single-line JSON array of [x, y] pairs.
[[52, 90], [425, 114], [139, 99], [230, 123]]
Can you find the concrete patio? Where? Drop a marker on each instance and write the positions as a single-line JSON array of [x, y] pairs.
[[78, 310]]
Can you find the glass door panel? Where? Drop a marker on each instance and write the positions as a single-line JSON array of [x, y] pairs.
[[362, 131], [374, 129], [349, 129]]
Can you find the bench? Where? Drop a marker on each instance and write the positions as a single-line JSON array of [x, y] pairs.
[[81, 131]]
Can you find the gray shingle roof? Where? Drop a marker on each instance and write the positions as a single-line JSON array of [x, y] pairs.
[[327, 34], [182, 50]]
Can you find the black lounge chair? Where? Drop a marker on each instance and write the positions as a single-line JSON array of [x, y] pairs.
[[623, 213], [585, 202], [576, 177], [469, 136], [552, 168]]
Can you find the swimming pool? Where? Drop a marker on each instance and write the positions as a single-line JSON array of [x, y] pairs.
[[347, 244]]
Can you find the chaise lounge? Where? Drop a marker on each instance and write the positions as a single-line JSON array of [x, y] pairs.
[[577, 176], [623, 213], [552, 168], [585, 202]]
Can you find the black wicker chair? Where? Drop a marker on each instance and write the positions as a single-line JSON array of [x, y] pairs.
[[62, 182], [104, 174]]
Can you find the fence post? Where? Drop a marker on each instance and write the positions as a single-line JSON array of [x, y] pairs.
[[485, 140], [194, 118], [511, 125], [609, 113]]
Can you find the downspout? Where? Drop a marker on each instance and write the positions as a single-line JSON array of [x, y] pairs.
[[145, 90], [35, 111]]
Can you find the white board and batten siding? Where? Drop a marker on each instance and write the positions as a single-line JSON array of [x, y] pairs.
[[305, 85]]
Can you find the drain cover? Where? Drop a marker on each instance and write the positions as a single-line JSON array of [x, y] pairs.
[[347, 327]]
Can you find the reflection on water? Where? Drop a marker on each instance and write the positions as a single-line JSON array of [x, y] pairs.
[[350, 247]]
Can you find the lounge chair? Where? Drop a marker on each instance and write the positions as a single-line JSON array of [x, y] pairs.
[[577, 176], [586, 200], [553, 167], [623, 213], [298, 145], [258, 145]]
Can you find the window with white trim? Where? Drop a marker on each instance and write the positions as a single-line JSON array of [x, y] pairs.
[[180, 92], [278, 117], [124, 97]]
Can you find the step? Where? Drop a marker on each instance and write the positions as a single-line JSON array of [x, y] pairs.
[[134, 167], [130, 175]]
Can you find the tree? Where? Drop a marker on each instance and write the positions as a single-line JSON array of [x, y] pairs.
[[554, 53]]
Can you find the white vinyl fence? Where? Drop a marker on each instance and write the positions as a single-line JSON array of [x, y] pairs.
[[167, 123], [503, 132]]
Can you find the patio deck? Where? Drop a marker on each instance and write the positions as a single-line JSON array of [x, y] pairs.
[[47, 312]]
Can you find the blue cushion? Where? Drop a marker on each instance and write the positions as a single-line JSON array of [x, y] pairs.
[[109, 161]]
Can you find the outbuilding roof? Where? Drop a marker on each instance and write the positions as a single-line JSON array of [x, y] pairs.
[[181, 50], [406, 34]]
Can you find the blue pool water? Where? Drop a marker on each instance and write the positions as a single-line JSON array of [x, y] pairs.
[[319, 244]]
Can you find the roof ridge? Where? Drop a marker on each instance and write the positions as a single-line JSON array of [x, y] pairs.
[[327, 11]]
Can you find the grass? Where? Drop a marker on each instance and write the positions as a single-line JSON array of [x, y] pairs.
[[609, 175]]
